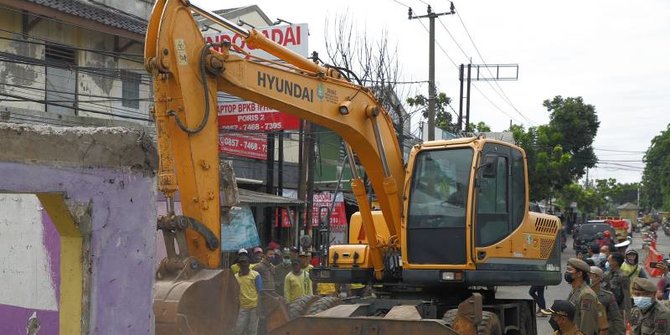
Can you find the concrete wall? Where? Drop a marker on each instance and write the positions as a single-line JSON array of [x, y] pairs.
[[30, 263], [103, 179]]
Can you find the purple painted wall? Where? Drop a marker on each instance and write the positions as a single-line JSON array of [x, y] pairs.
[[122, 243]]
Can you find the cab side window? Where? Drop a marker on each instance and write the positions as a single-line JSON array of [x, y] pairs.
[[493, 203]]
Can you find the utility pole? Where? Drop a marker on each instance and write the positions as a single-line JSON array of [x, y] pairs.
[[431, 64], [494, 72]]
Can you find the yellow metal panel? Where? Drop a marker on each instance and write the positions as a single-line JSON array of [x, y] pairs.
[[71, 273]]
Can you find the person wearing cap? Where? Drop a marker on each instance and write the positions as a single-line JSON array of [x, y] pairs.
[[617, 283], [615, 324], [631, 268], [257, 255], [563, 318], [294, 253], [277, 259], [582, 296], [267, 272], [250, 285], [265, 268], [282, 270], [648, 316], [235, 268], [297, 283]]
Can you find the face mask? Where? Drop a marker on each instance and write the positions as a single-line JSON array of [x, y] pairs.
[[568, 277], [286, 261], [642, 302], [553, 323]]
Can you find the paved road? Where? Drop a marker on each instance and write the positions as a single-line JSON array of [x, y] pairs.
[[562, 290]]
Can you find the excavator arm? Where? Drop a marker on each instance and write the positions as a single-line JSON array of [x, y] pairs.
[[187, 75]]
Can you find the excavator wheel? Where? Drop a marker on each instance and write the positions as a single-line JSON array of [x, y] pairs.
[[450, 316], [490, 324], [204, 304], [301, 305], [323, 304], [527, 317]]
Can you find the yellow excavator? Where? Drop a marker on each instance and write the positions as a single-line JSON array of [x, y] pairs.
[[453, 223]]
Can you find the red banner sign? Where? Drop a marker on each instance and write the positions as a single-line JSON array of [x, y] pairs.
[[244, 145]]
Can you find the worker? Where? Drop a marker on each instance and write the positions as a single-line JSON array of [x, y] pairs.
[[615, 324], [257, 255], [265, 268], [631, 268], [250, 283], [582, 296], [617, 283], [235, 268], [648, 317], [294, 253], [303, 258], [563, 318], [267, 272], [282, 270], [297, 283]]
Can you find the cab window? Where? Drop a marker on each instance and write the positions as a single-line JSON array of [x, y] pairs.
[[492, 221]]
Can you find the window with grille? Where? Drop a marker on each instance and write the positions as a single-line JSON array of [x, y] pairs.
[[61, 80], [130, 82]]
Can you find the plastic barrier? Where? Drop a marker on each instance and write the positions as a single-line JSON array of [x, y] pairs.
[[653, 256]]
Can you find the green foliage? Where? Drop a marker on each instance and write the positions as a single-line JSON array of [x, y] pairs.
[[655, 192], [559, 152], [548, 163], [601, 199], [480, 127], [443, 119], [578, 125]]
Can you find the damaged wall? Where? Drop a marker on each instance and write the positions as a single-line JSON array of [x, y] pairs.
[[92, 84], [107, 175]]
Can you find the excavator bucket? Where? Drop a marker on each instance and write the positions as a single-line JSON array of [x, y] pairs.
[[205, 303]]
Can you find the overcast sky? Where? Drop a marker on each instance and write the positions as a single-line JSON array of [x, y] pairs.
[[614, 54]]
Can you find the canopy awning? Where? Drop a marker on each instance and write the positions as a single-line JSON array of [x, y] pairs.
[[253, 198]]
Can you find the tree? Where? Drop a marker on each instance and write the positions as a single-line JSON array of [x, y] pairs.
[[578, 124], [655, 193], [548, 163], [371, 63], [480, 127], [443, 118]]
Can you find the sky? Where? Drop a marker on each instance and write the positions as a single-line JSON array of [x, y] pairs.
[[614, 54]]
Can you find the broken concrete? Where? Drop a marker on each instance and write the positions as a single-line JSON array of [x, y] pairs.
[[108, 173], [110, 147]]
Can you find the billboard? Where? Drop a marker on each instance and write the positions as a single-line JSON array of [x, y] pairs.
[[242, 123]]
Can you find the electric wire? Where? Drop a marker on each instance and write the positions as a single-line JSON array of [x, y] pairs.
[[506, 98]]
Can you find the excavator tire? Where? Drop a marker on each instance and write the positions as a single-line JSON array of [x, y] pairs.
[[300, 306], [450, 316], [323, 304], [490, 324], [526, 326]]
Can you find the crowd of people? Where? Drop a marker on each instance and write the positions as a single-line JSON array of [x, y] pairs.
[[276, 272], [610, 290]]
